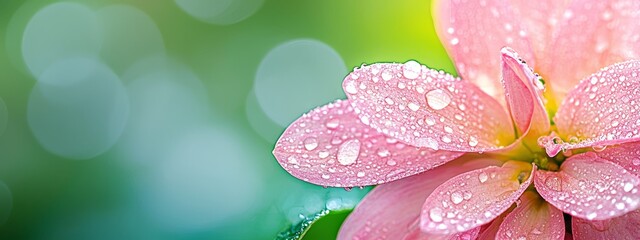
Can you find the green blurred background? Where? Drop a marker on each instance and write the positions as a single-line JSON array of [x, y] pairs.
[[128, 119]]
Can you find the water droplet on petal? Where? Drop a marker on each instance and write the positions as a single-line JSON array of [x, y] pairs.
[[483, 177], [627, 187], [473, 141], [456, 197], [554, 183], [310, 143], [350, 87], [438, 99], [414, 107], [349, 151], [599, 148], [323, 154], [411, 69], [360, 174], [386, 75], [332, 123], [435, 214], [391, 162]]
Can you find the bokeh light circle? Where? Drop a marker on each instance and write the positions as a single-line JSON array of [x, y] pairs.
[[167, 99], [205, 178], [263, 125], [296, 77], [129, 35], [59, 31], [220, 12], [78, 109], [6, 202]]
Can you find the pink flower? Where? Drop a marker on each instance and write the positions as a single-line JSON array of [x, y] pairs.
[[463, 156]]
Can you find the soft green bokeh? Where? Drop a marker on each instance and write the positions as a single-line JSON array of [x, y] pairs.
[[193, 160]]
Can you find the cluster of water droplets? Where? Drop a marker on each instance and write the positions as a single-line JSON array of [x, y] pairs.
[[330, 145], [579, 192], [425, 107], [472, 201], [602, 108]]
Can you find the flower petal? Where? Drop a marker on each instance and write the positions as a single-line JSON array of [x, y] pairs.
[[392, 210], [626, 155], [603, 108], [330, 146], [489, 230], [590, 187], [427, 108], [534, 219], [524, 97], [540, 20], [474, 198], [592, 34], [623, 227], [473, 32]]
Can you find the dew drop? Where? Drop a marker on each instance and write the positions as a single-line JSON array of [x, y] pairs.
[[350, 87], [386, 75], [391, 162], [553, 183], [383, 152], [428, 142], [627, 187], [483, 177], [323, 154], [473, 141], [435, 214], [438, 99], [456, 197], [455, 41], [592, 215], [411, 69], [349, 151], [326, 176], [332, 123], [310, 143], [430, 121], [599, 148], [360, 174], [414, 107]]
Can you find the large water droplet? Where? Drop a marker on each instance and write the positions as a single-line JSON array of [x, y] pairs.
[[349, 151], [411, 69], [438, 99], [554, 183], [627, 187], [435, 214], [414, 107], [456, 197], [386, 75], [350, 87], [473, 141], [310, 143], [483, 177]]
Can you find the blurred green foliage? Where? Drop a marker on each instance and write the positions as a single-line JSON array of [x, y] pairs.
[[98, 198]]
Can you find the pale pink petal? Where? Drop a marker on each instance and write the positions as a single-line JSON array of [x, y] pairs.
[[427, 108], [473, 32], [540, 20], [524, 97], [603, 109], [533, 219], [474, 198], [626, 155], [392, 210], [590, 187], [489, 231], [330, 146], [625, 227], [592, 34]]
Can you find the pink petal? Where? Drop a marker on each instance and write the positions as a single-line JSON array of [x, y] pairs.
[[474, 198], [626, 155], [490, 230], [603, 109], [623, 227], [330, 146], [473, 32], [590, 187], [427, 108], [524, 97], [392, 210], [532, 219], [540, 20], [593, 34]]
